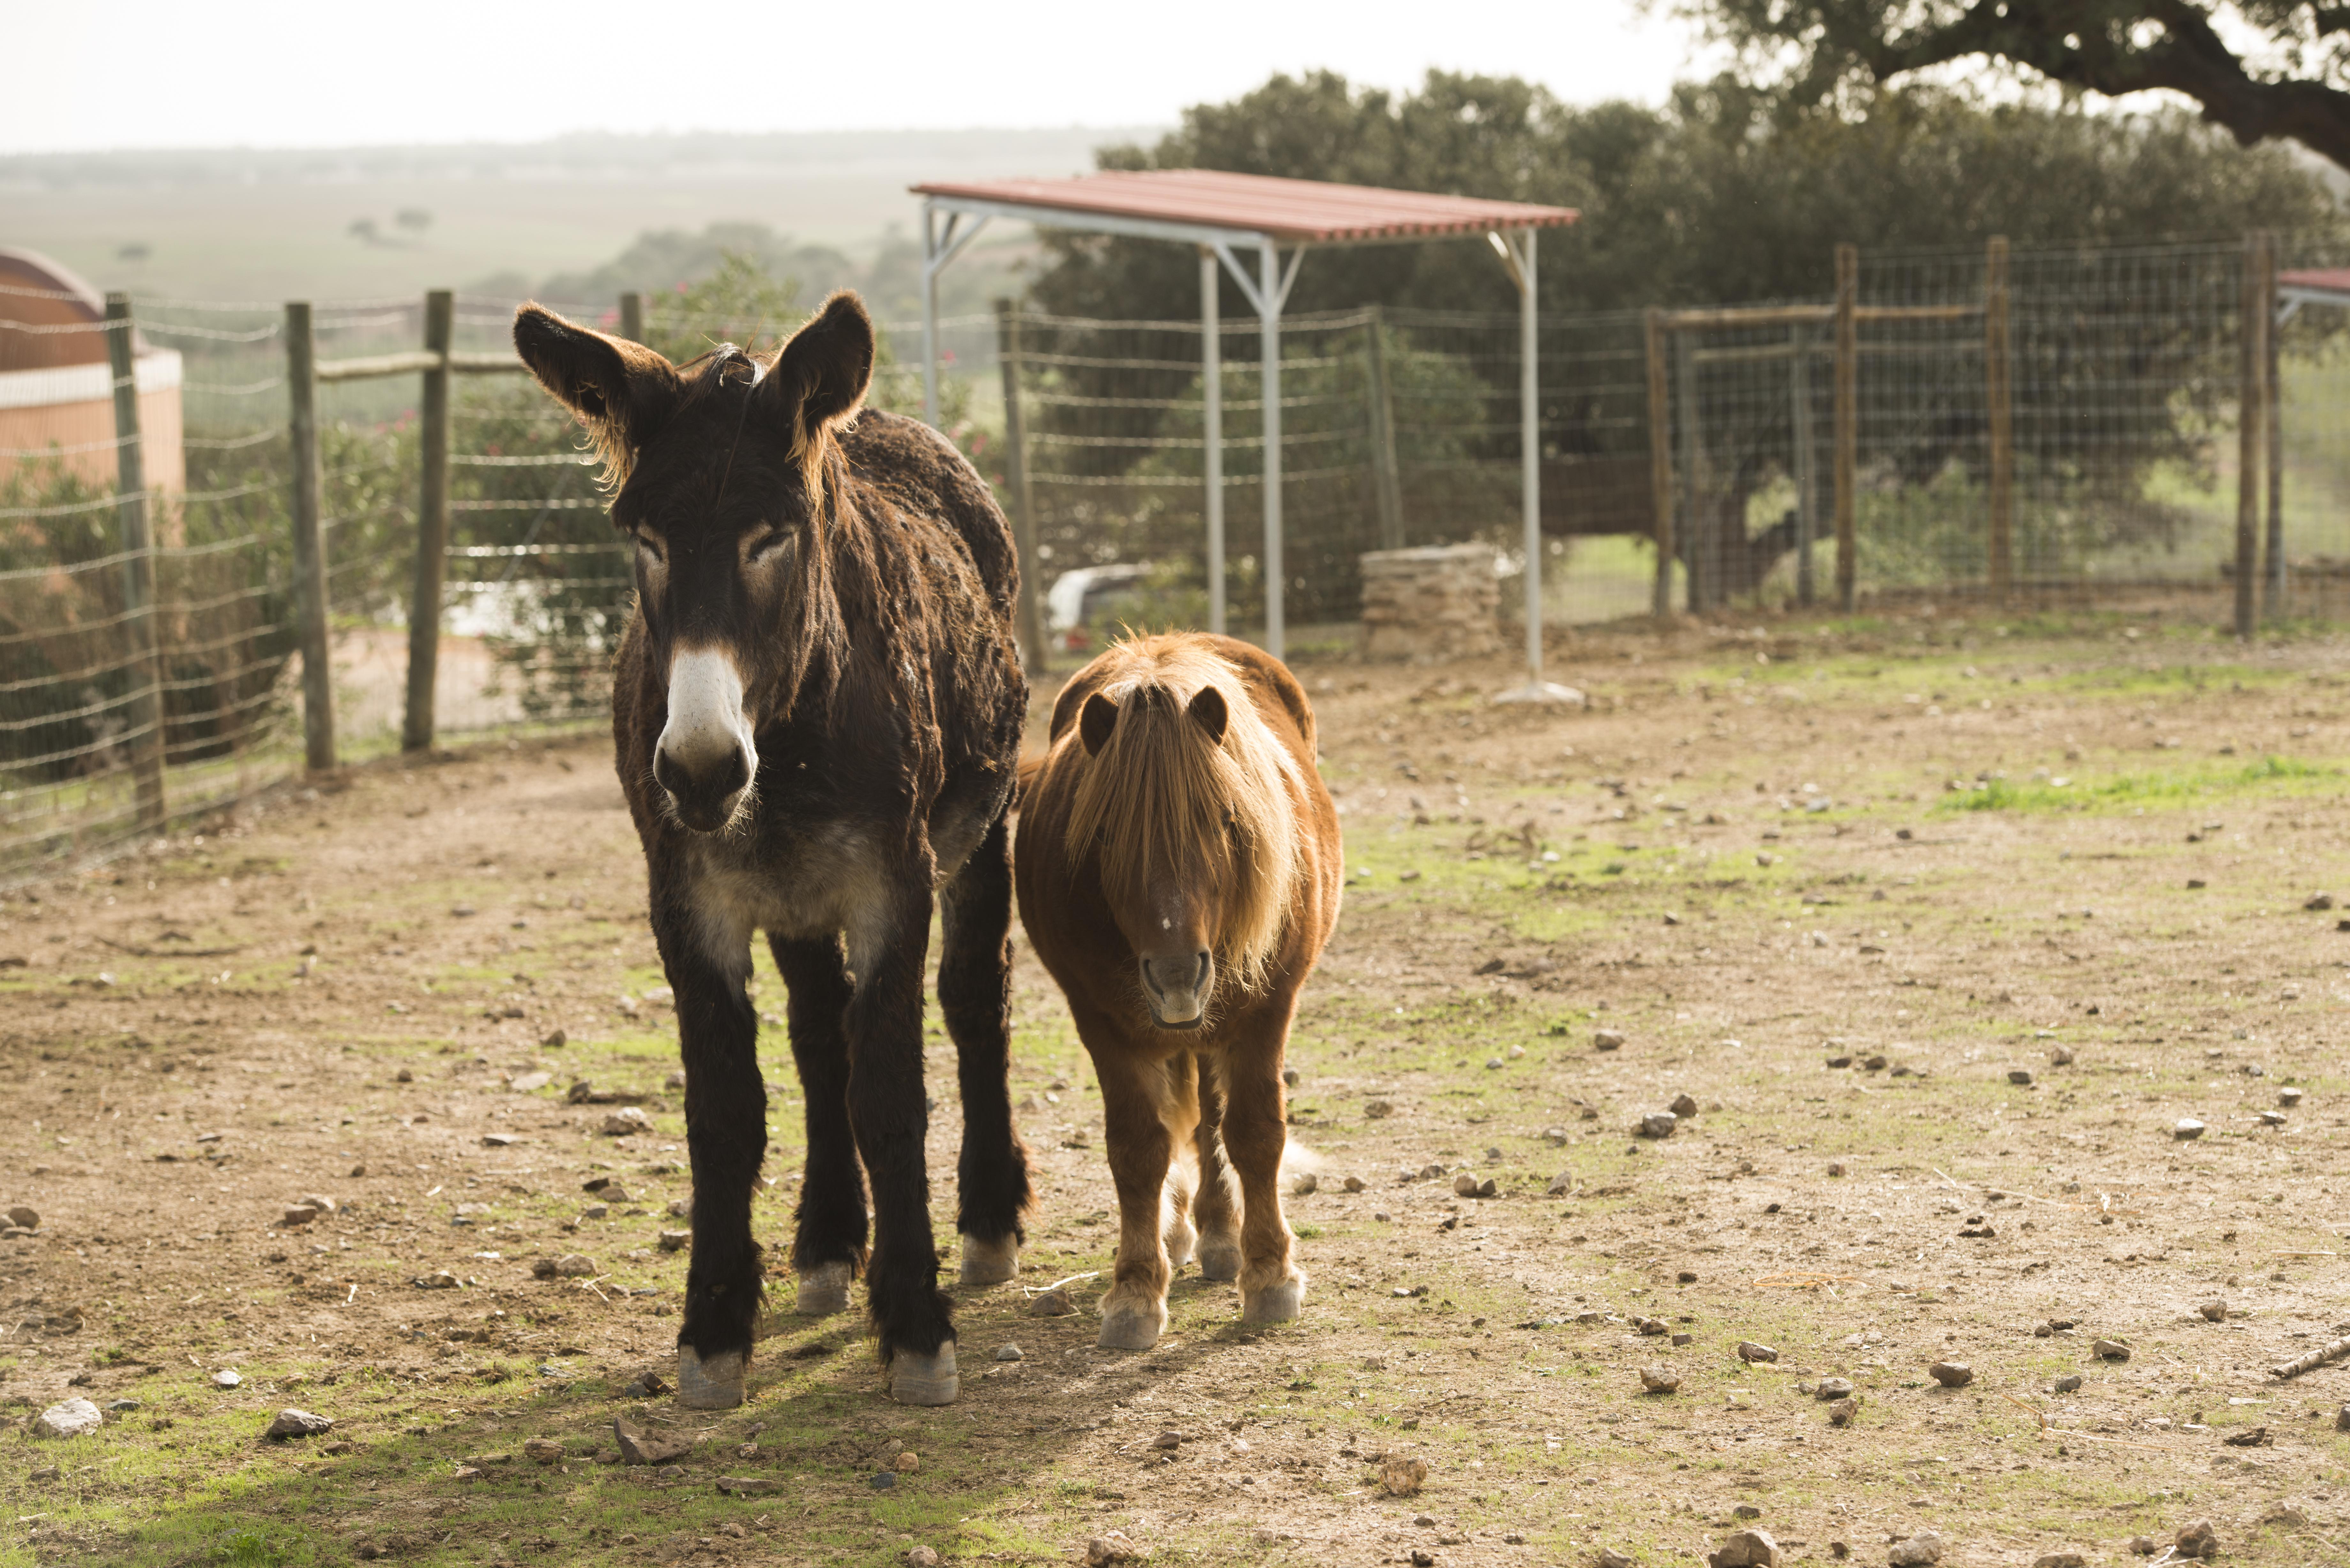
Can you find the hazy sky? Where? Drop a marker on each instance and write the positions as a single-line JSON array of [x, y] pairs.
[[145, 73]]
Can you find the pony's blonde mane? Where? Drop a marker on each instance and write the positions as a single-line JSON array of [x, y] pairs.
[[1161, 797]]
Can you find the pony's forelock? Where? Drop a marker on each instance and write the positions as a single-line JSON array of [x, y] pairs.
[[1162, 798]]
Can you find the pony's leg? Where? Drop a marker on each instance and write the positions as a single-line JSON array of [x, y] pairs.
[[828, 1242], [726, 1136], [975, 994], [1213, 1209], [887, 941], [1134, 1117], [1182, 1119], [1256, 1133]]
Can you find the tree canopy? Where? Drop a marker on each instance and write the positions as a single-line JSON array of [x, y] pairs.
[[1728, 194]]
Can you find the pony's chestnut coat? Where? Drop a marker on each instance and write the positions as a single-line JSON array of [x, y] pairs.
[[1179, 870], [816, 711]]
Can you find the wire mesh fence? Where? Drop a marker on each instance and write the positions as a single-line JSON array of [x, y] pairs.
[[2066, 423]]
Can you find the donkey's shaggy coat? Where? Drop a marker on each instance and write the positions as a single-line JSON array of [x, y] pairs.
[[816, 713], [1179, 871]]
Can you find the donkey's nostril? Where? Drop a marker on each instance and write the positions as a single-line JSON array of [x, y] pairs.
[[711, 778]]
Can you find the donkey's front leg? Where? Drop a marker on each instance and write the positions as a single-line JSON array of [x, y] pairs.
[[886, 946], [726, 1132]]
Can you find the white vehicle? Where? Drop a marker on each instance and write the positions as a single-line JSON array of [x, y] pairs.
[[1079, 599]]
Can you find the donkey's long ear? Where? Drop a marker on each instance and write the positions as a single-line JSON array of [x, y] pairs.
[[622, 391], [820, 378]]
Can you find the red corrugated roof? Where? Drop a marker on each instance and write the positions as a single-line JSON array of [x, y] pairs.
[[2333, 280], [1302, 212]]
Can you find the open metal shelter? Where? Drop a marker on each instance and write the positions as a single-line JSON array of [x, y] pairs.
[[1225, 215]]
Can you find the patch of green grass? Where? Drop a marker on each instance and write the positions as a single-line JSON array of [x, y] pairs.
[[2178, 786]]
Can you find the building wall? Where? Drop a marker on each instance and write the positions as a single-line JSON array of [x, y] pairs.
[[70, 408]]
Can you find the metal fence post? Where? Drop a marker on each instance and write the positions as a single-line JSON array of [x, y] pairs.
[[1698, 571], [1661, 464], [2260, 284], [2272, 409], [1847, 422], [309, 537], [1016, 483], [145, 708], [1211, 430], [1807, 458], [1387, 482], [1998, 392], [432, 526], [632, 316]]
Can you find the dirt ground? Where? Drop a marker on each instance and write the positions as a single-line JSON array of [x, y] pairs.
[[1941, 924]]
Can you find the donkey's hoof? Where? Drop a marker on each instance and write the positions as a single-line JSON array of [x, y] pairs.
[[1220, 1261], [989, 1263], [1132, 1325], [1277, 1303], [925, 1379], [712, 1385], [823, 1290]]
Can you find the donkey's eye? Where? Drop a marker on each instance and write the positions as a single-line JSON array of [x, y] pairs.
[[764, 546], [651, 549]]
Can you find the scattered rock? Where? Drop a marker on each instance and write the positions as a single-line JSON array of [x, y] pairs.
[[1683, 1106], [1750, 1351], [555, 1040], [71, 1418], [1836, 1167], [23, 1216], [2288, 1097], [1832, 1388], [2215, 1310], [1305, 1186], [1922, 1550], [1168, 1441], [1606, 1040], [1652, 1325], [1103, 1551], [675, 1240], [1658, 1124], [1054, 1302], [2143, 1545], [2019, 1078], [1010, 1353], [120, 1407], [1402, 1477], [1377, 1110], [2110, 1350], [405, 1075], [227, 1379], [1659, 1379], [627, 1120], [298, 1214], [756, 1486], [2254, 1437], [2319, 901], [499, 1140], [1469, 1185], [2196, 1540], [2060, 1560], [442, 1281], [921, 1557], [648, 1447], [2068, 1384], [1952, 1374], [2188, 1128], [1610, 1558], [292, 1423], [1745, 1548], [908, 1462], [1842, 1412], [541, 1450]]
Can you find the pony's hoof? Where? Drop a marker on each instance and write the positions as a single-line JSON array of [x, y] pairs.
[[986, 1262], [823, 1290], [1134, 1325], [1277, 1303], [925, 1379], [1220, 1261], [712, 1385]]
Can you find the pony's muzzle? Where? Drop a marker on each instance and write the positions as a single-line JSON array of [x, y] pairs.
[[704, 759], [1177, 988]]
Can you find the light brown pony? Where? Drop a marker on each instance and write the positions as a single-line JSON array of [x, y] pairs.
[[1179, 868]]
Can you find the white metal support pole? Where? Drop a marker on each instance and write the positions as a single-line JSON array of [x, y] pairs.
[[929, 315], [1211, 421], [1518, 255], [1269, 319]]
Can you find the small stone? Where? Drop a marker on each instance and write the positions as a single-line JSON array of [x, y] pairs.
[[645, 1448], [921, 1557], [1877, 1064], [1839, 1062], [1832, 1388], [1606, 1040], [120, 1407], [1610, 1558], [461, 910], [2252, 1438], [2187, 1128], [2019, 1078], [1305, 1186], [1465, 1185], [2196, 1540], [1355, 1184], [23, 1216], [541, 1450], [1836, 1167], [499, 1140], [2215, 1310], [299, 1214], [1922, 1550], [1493, 1064], [2060, 1560], [1683, 1106], [1746, 1510], [2143, 1545], [1377, 1110], [1659, 1379], [2319, 901], [2058, 1056], [2110, 1350], [1105, 1551], [1168, 1440], [555, 1040], [1402, 1477], [1686, 1277], [1952, 1374], [749, 1486], [574, 1266], [626, 1121], [1658, 1124], [441, 1280], [1745, 1548], [71, 1418], [1749, 1351], [1842, 1412], [405, 1075], [1681, 1339], [908, 1462], [2341, 1420], [1292, 1077], [675, 1240], [1054, 1302], [1010, 1353], [1560, 1185], [2287, 1098], [225, 1379], [292, 1423], [2068, 1384]]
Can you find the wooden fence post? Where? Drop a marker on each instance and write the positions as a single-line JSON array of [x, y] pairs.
[[2272, 407], [1807, 458], [2260, 284], [432, 526], [1026, 624], [308, 511], [145, 708], [1999, 407], [1700, 565], [1847, 421], [1387, 481], [632, 316], [1661, 466]]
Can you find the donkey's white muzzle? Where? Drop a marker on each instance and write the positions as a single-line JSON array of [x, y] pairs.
[[705, 759]]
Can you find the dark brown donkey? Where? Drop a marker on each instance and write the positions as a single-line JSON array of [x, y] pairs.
[[816, 709], [1179, 870]]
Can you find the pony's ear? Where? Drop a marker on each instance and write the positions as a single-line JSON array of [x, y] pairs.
[[1208, 710], [622, 391], [1096, 723], [821, 376]]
